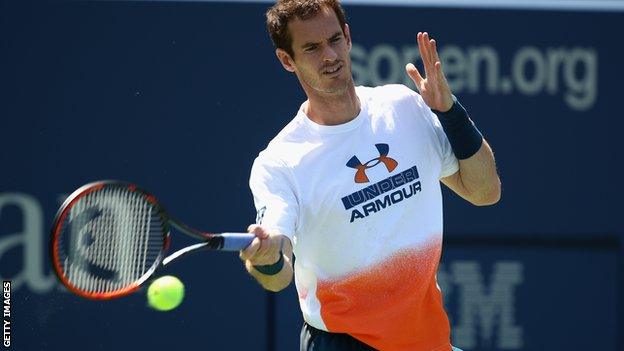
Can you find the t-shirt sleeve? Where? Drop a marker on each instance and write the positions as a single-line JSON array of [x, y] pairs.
[[450, 165], [274, 195]]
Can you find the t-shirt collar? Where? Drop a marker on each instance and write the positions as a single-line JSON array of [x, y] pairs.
[[339, 128]]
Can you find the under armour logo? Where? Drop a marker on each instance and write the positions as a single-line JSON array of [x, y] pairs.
[[360, 175]]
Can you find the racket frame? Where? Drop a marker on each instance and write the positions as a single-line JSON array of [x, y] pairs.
[[60, 218], [210, 241]]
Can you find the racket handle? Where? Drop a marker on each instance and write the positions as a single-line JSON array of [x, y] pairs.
[[236, 241]]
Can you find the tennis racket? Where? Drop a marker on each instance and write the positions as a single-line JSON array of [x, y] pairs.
[[110, 237]]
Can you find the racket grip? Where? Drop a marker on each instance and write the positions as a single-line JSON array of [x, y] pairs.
[[236, 241]]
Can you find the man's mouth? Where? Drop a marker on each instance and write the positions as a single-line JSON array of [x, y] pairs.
[[333, 69]]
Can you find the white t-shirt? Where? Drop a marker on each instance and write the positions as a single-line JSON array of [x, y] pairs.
[[362, 205]]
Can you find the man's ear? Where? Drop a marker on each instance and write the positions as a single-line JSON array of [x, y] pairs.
[[285, 59], [347, 34]]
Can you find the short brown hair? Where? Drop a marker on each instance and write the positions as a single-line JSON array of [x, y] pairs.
[[278, 16]]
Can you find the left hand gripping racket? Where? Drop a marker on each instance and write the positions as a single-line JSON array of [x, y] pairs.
[[110, 237]]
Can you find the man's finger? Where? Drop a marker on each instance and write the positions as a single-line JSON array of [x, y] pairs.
[[434, 51], [412, 71], [261, 252], [258, 231], [421, 49], [438, 67], [251, 250], [428, 47]]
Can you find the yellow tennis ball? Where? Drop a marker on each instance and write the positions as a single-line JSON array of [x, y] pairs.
[[165, 293]]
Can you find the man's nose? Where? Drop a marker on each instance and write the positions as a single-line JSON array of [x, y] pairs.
[[329, 54]]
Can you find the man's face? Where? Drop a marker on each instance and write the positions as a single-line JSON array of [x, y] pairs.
[[321, 52]]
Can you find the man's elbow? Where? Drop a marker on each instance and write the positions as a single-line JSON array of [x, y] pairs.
[[489, 196]]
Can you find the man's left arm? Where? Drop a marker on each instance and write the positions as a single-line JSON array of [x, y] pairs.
[[476, 180]]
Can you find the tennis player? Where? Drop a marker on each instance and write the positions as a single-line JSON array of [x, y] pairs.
[[352, 186]]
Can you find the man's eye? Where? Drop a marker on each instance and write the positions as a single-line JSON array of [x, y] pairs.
[[310, 49], [336, 39]]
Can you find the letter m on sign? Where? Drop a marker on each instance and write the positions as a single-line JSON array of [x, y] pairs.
[[484, 309]]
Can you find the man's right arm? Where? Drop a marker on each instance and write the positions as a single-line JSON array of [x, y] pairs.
[[269, 257]]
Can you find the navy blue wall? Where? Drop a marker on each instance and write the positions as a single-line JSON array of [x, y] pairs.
[[180, 97]]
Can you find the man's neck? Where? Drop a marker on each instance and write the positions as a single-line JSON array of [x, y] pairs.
[[333, 109]]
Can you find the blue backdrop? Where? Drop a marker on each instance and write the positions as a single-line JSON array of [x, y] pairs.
[[180, 98]]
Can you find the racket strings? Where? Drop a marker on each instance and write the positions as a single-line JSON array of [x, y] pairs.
[[110, 240]]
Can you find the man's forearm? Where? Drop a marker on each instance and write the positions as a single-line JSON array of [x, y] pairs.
[[479, 177], [477, 180], [275, 282]]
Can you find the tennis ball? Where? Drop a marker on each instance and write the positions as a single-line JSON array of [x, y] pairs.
[[165, 293]]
